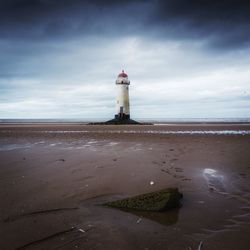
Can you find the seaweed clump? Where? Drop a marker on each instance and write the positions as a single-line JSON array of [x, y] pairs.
[[158, 201]]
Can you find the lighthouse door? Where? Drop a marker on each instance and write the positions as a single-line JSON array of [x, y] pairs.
[[121, 111]]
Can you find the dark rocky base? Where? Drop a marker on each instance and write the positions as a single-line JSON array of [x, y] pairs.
[[118, 121], [159, 201], [121, 121]]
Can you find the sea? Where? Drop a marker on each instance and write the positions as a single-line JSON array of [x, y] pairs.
[[151, 120]]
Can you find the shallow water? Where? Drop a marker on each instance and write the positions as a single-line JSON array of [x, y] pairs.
[[167, 132], [72, 145], [170, 132], [9, 147]]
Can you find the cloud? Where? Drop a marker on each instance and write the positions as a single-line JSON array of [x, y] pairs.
[[41, 19], [221, 24], [218, 24], [168, 79]]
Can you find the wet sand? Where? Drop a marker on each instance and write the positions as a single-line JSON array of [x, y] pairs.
[[55, 176]]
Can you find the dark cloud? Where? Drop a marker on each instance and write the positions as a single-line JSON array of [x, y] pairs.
[[40, 19], [221, 24], [225, 23]]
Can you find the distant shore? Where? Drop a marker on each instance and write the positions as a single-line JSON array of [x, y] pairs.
[[154, 121]]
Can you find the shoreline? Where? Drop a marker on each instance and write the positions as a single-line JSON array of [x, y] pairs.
[[143, 122]]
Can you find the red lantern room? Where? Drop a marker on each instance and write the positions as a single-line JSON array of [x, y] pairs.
[[123, 74]]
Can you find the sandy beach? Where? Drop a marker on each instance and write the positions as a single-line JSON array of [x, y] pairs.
[[54, 178]]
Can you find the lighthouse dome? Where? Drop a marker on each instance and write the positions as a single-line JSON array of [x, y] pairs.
[[123, 74], [122, 78]]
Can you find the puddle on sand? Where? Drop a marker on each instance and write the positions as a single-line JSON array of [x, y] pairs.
[[111, 144], [9, 147], [214, 180], [39, 142]]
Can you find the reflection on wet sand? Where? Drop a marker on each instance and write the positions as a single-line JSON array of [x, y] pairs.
[[165, 218], [214, 180]]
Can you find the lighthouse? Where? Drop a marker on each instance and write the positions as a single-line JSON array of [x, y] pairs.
[[122, 114], [122, 98]]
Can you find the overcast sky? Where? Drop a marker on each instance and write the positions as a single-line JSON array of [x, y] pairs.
[[184, 58]]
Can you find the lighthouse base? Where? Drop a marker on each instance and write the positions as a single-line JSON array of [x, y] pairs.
[[121, 120], [122, 116]]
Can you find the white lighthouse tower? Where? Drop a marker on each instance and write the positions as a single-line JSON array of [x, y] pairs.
[[122, 98]]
